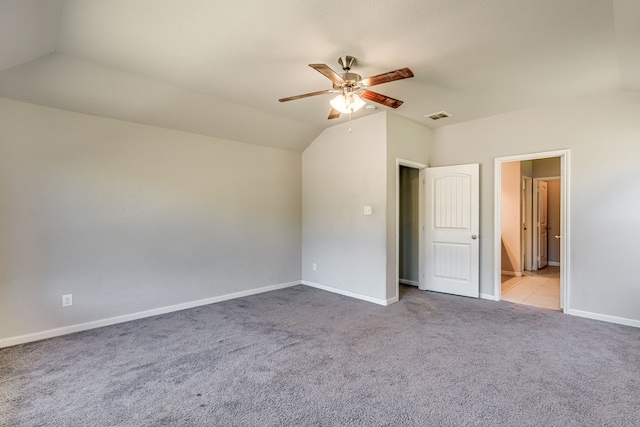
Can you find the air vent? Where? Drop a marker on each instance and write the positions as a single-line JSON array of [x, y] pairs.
[[439, 115]]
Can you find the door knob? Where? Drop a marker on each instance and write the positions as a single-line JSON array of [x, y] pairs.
[[473, 236], [557, 237]]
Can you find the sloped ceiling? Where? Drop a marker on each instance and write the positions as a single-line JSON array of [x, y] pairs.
[[218, 67]]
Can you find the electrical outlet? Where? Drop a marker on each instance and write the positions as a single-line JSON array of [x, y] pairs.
[[67, 300], [314, 267]]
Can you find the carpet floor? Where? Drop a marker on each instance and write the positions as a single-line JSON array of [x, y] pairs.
[[304, 357]]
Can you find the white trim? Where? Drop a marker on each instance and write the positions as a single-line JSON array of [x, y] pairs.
[[391, 300], [22, 339], [604, 318], [511, 273], [533, 156], [410, 164], [408, 282], [565, 285], [421, 228], [414, 165], [565, 225], [362, 297], [489, 297], [526, 217], [553, 263], [536, 226]]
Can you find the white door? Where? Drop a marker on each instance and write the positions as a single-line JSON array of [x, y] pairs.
[[451, 225], [543, 225], [527, 223]]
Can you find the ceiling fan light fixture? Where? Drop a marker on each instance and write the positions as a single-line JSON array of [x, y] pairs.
[[352, 88], [347, 103]]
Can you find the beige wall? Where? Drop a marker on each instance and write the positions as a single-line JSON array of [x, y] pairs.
[[511, 218], [342, 173], [545, 168], [406, 140], [129, 218], [602, 133]]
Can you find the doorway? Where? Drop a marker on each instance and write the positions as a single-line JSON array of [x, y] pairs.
[[408, 211], [518, 260], [409, 232]]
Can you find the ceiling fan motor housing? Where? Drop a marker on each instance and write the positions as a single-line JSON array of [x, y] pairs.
[[352, 87], [346, 62], [352, 81]]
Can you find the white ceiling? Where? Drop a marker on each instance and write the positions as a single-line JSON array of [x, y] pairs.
[[218, 67]]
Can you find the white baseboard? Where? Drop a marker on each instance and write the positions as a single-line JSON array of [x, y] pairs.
[[7, 342], [367, 298], [511, 273], [553, 263], [604, 318], [489, 297], [392, 300], [408, 282]]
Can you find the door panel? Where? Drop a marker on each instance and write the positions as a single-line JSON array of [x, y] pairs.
[[451, 229], [527, 223], [543, 225]]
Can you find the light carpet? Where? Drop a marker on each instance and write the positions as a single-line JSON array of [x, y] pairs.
[[304, 357]]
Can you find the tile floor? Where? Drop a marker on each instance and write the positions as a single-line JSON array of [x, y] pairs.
[[539, 288]]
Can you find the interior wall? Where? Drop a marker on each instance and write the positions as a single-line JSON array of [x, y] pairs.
[[129, 218], [602, 133], [553, 218], [526, 170], [548, 167], [342, 173], [511, 218], [409, 225], [405, 140], [545, 168]]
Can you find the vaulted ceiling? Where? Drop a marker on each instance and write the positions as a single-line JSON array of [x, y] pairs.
[[218, 67]]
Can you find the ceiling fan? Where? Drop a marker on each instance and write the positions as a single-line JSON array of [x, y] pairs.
[[351, 88]]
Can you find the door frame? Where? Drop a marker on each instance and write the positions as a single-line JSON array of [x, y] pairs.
[[536, 221], [565, 225], [526, 203], [535, 213], [419, 166]]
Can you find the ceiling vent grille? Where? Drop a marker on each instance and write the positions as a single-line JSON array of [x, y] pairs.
[[439, 115]]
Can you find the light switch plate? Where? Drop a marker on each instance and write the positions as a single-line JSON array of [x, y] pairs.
[[367, 210]]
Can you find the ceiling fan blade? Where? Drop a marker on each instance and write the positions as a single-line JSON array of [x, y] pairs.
[[402, 73], [327, 72], [306, 95], [381, 99], [333, 114]]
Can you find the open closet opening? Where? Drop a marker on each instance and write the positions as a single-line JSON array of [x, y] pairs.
[[408, 224]]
